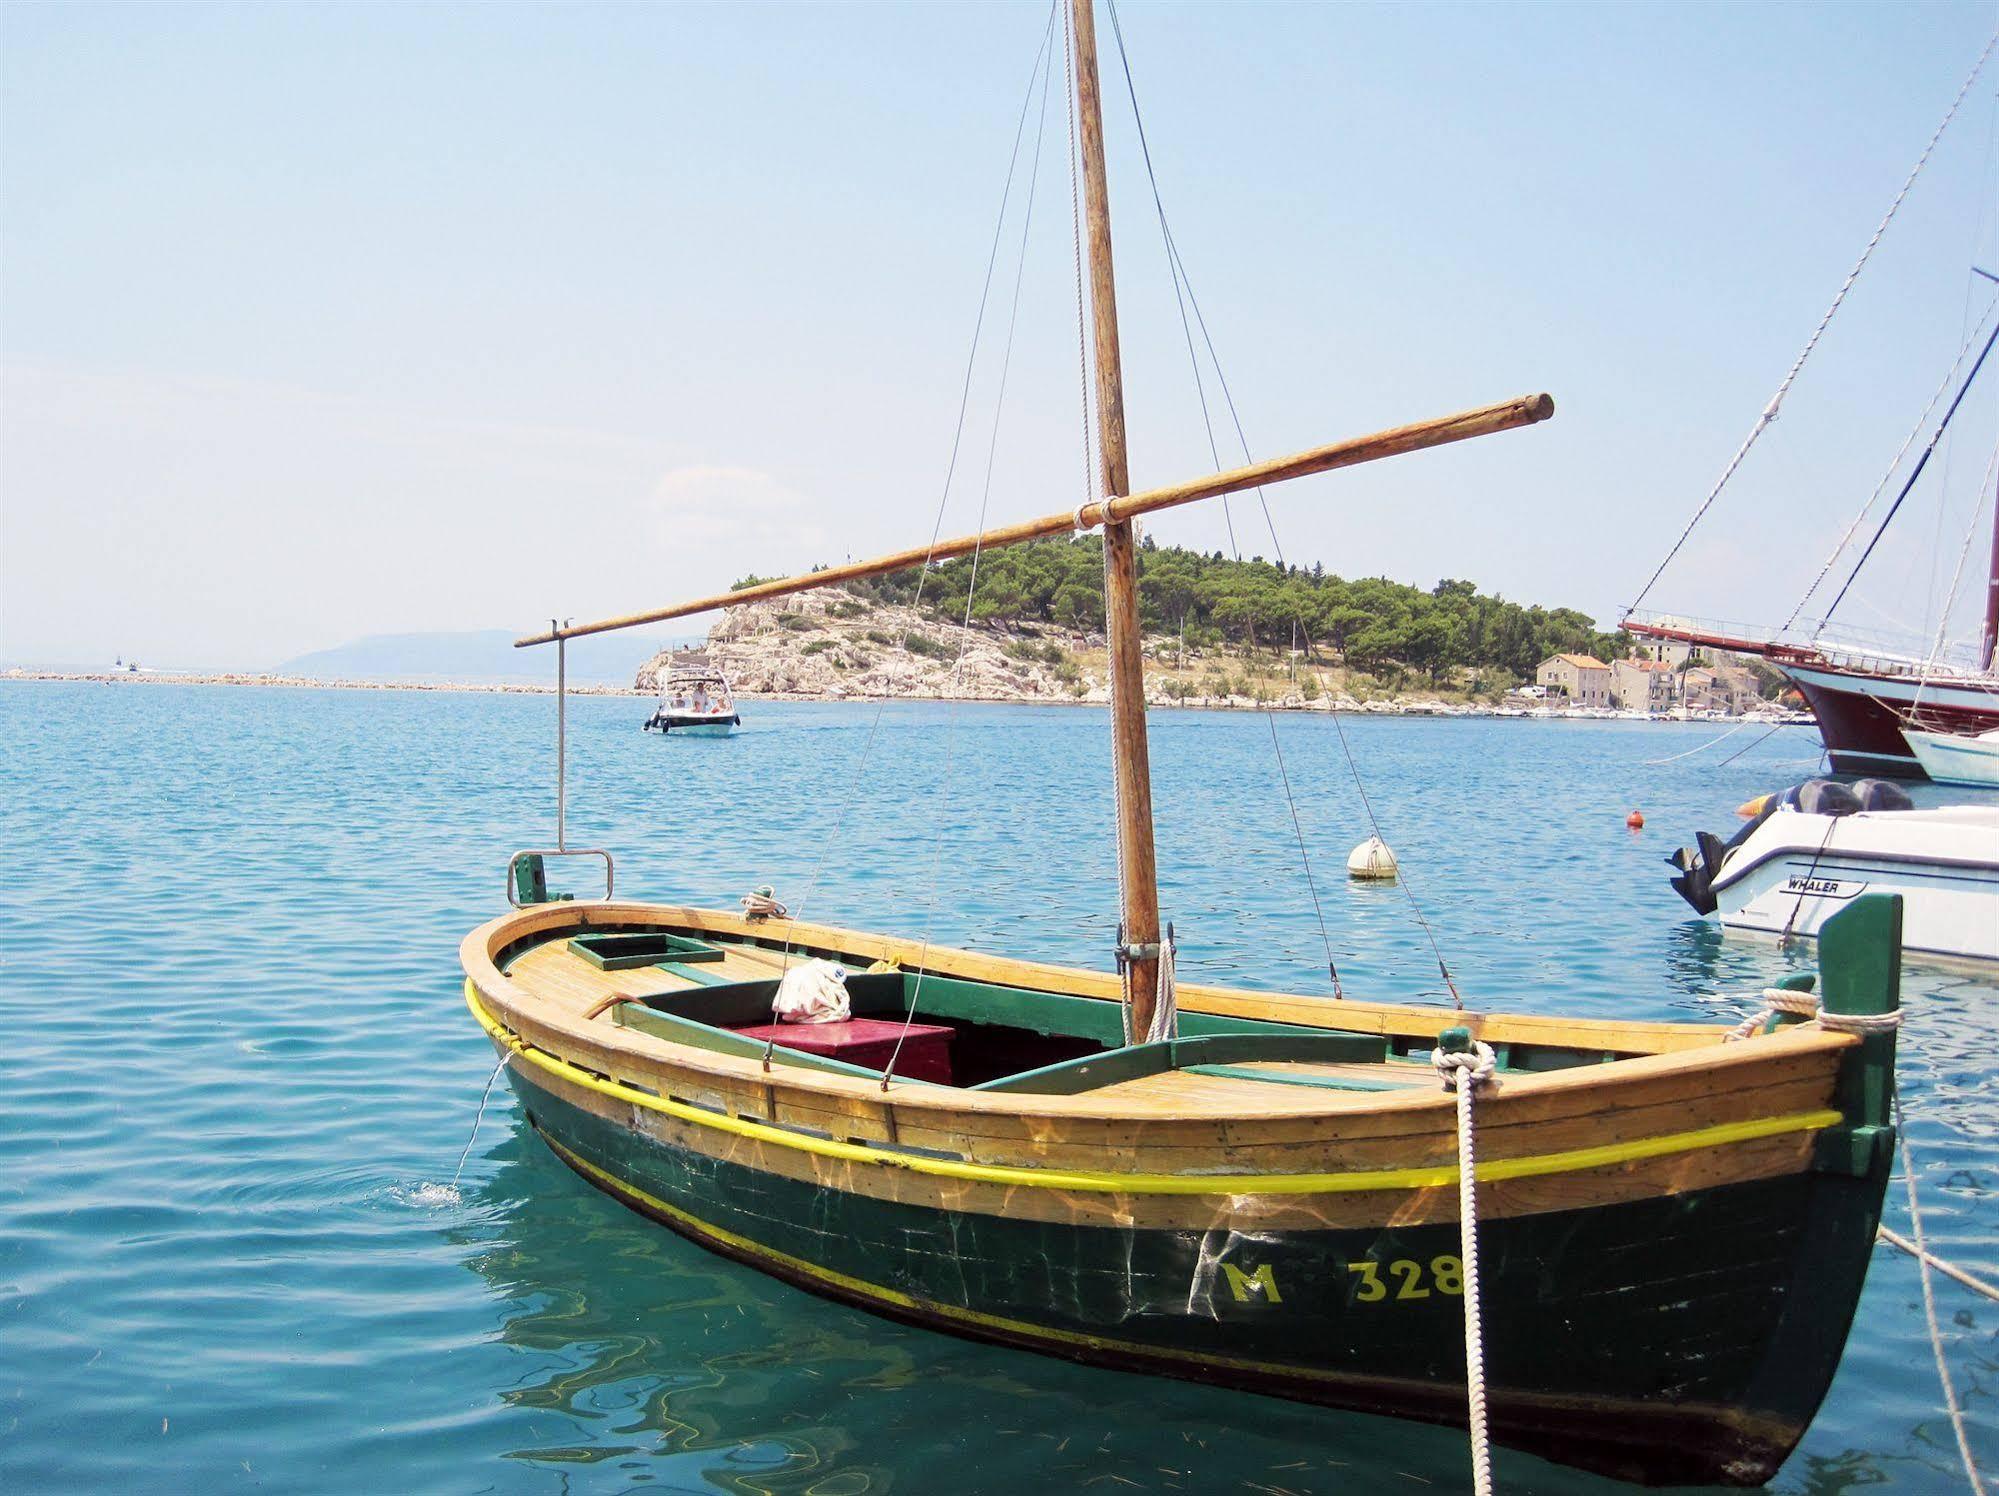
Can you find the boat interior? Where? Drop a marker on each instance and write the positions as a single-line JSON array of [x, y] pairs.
[[712, 991]]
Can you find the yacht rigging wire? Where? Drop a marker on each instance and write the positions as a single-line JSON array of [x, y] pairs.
[[1183, 292], [858, 773], [1923, 420], [1957, 573], [972, 582], [1776, 401], [1921, 462]]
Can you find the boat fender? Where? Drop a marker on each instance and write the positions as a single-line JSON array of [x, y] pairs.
[[815, 992]]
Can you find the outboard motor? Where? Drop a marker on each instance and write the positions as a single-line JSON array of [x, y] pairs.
[[1825, 797], [1698, 864], [1881, 794]]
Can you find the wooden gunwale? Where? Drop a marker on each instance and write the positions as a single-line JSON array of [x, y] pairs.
[[1201, 1201], [1789, 1073]]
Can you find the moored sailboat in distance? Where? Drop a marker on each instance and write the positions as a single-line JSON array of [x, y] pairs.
[[1867, 696], [1671, 1221], [1866, 699]]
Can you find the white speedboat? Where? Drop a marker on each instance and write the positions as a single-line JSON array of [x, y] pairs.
[[1813, 850], [695, 700], [1953, 758]]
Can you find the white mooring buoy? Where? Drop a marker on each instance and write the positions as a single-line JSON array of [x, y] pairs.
[[1371, 859]]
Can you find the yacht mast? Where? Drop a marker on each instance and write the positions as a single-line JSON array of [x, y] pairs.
[[1990, 637], [1138, 872]]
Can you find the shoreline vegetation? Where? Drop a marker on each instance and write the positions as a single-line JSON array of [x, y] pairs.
[[1219, 635]]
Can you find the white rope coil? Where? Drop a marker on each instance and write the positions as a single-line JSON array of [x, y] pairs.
[[762, 903], [1804, 1005], [1465, 1073]]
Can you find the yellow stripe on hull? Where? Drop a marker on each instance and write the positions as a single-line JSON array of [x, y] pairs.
[[1567, 1161]]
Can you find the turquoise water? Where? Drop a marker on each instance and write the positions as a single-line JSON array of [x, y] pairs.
[[236, 1055]]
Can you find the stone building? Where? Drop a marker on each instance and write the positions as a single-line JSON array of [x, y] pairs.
[[1583, 679]]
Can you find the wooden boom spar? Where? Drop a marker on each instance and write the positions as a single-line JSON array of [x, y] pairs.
[[1484, 421]]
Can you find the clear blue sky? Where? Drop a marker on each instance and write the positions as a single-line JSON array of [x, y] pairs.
[[323, 320]]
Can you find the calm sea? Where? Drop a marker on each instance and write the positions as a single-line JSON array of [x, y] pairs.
[[235, 1056]]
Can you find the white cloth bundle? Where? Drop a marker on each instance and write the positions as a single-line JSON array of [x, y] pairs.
[[813, 993]]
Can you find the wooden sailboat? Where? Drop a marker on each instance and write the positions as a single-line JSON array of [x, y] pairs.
[[1248, 1189]]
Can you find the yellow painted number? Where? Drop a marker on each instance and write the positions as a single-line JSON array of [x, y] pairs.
[[1446, 1275], [1261, 1283]]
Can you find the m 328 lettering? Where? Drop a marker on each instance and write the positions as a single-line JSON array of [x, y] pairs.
[[1398, 1280], [1404, 1278]]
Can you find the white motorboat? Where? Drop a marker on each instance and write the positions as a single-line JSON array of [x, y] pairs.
[[1813, 850], [1953, 758], [695, 699]]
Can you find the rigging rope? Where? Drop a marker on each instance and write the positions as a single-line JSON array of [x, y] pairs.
[[1463, 1072], [1950, 378], [1770, 411], [1921, 462], [972, 582], [1214, 452], [1182, 282], [1957, 575], [856, 777]]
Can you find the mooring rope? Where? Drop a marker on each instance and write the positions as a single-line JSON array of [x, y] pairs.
[[1942, 1264], [1653, 763], [1776, 401], [1922, 1256], [1464, 1072], [1807, 1006], [1831, 825]]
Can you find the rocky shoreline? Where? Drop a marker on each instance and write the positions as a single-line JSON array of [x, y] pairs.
[[1400, 706]]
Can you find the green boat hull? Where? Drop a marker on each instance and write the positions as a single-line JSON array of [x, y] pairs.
[[1678, 1340]]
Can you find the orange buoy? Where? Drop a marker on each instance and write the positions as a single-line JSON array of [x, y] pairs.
[[1635, 821]]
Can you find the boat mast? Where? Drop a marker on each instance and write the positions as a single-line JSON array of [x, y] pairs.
[[1990, 637], [1138, 871]]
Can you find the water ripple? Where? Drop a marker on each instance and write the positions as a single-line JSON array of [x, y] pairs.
[[239, 1076]]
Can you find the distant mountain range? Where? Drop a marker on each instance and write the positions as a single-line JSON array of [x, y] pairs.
[[482, 656]]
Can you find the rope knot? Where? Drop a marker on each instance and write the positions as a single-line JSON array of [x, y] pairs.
[[1081, 523], [762, 903], [1807, 1007], [1455, 1066]]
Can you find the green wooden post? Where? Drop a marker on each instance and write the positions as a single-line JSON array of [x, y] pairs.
[[1860, 967], [531, 879]]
